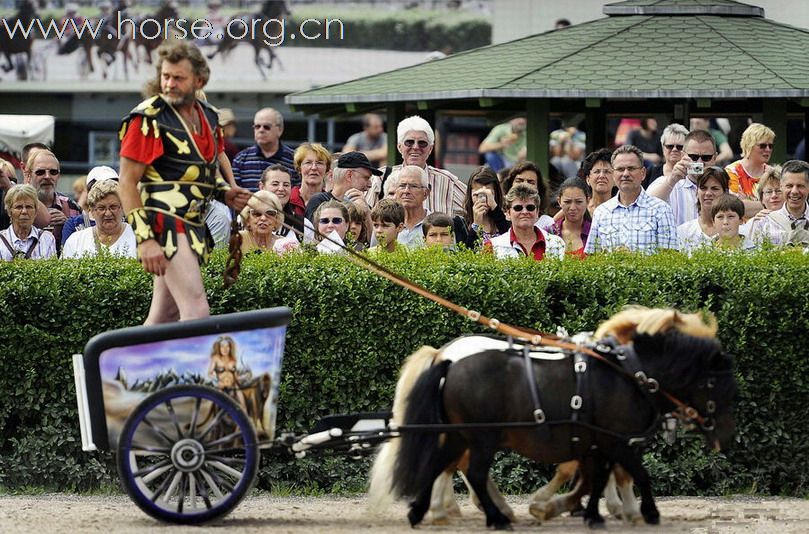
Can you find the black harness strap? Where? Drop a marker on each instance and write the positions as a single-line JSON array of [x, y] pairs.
[[578, 410], [539, 414]]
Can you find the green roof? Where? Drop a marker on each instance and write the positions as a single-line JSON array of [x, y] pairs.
[[682, 50]]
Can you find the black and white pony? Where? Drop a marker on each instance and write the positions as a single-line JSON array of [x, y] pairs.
[[489, 385]]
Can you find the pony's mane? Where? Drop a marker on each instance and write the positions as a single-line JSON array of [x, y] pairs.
[[641, 320], [680, 358]]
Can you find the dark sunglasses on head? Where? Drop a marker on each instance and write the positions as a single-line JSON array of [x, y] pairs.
[[762, 146], [263, 126], [528, 207], [268, 213], [703, 157], [41, 172], [333, 220], [410, 142], [669, 147]]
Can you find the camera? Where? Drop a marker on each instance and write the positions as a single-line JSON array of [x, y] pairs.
[[696, 168], [482, 196]]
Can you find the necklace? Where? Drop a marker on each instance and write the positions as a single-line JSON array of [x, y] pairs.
[[108, 239]]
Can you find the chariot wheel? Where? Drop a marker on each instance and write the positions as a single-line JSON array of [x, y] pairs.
[[187, 454]]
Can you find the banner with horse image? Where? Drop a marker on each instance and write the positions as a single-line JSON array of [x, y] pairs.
[[245, 365]]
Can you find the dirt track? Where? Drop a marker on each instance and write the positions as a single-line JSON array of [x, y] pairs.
[[77, 514]]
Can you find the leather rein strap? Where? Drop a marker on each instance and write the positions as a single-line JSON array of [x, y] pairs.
[[527, 335]]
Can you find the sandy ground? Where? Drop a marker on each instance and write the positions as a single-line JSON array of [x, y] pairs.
[[78, 514]]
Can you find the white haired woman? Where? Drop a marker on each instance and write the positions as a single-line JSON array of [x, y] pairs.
[[263, 217], [22, 239], [110, 233]]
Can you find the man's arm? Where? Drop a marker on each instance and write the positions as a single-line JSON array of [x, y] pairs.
[[149, 250], [236, 197], [666, 229], [664, 185]]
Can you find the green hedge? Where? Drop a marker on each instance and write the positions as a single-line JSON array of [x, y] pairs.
[[351, 329]]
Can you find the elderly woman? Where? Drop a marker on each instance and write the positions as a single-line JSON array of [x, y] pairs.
[[312, 162], [22, 239], [673, 141], [262, 217], [524, 238], [745, 174], [110, 233]]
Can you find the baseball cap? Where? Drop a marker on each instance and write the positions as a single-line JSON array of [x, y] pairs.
[[97, 174], [357, 160], [226, 116]]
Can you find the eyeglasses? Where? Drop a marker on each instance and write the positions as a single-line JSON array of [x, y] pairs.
[[313, 164], [703, 157], [333, 220], [620, 170], [263, 126], [670, 147], [762, 146], [269, 213], [772, 192], [410, 142], [42, 172], [404, 187], [112, 209], [528, 207]]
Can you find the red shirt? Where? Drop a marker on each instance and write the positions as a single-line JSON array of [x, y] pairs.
[[147, 148], [537, 249]]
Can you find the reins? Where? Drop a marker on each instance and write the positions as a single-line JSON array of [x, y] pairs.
[[530, 336]]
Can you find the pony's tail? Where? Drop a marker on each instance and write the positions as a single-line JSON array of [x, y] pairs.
[[418, 451], [380, 495]]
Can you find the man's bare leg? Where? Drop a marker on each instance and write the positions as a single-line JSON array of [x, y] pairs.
[[179, 293]]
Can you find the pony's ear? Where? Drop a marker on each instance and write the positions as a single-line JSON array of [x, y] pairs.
[[624, 332]]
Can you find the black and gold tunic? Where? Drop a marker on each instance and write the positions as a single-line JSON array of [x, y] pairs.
[[178, 185]]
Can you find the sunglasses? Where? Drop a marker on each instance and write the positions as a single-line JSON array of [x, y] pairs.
[[669, 147], [410, 142], [703, 157], [269, 213], [333, 220], [42, 172], [263, 126], [762, 146], [529, 207]]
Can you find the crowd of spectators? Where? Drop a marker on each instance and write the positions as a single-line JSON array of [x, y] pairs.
[[666, 190]]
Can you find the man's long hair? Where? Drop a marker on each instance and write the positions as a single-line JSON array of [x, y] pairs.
[[174, 52]]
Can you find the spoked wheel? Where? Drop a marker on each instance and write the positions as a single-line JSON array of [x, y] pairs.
[[187, 454]]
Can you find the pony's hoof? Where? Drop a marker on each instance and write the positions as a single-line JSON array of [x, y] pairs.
[[440, 521], [502, 526], [595, 523], [652, 519], [414, 518], [540, 510]]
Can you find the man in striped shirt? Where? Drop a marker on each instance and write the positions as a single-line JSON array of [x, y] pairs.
[[632, 220], [415, 140], [249, 164]]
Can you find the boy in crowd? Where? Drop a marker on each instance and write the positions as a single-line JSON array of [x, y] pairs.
[[437, 228], [388, 220], [727, 213]]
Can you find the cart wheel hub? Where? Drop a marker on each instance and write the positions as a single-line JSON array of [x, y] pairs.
[[188, 455]]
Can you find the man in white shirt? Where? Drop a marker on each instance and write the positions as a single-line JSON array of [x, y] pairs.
[[679, 188], [790, 224]]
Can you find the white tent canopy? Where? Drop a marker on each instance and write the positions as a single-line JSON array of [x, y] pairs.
[[16, 131]]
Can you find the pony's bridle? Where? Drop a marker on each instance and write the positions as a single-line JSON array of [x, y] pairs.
[[527, 335]]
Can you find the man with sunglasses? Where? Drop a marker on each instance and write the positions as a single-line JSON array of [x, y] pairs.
[[672, 140], [172, 164], [249, 164], [43, 173], [679, 188], [415, 141]]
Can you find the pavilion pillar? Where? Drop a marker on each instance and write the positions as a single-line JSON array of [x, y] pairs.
[[395, 114], [774, 116], [537, 133], [596, 124]]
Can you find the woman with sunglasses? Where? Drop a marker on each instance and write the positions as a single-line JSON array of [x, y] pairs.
[[524, 238], [262, 217], [745, 174], [711, 185], [330, 217]]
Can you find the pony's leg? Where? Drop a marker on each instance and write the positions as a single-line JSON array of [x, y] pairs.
[[543, 496], [447, 456], [438, 511], [614, 505], [600, 473], [449, 503], [629, 503], [481, 457], [631, 461]]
